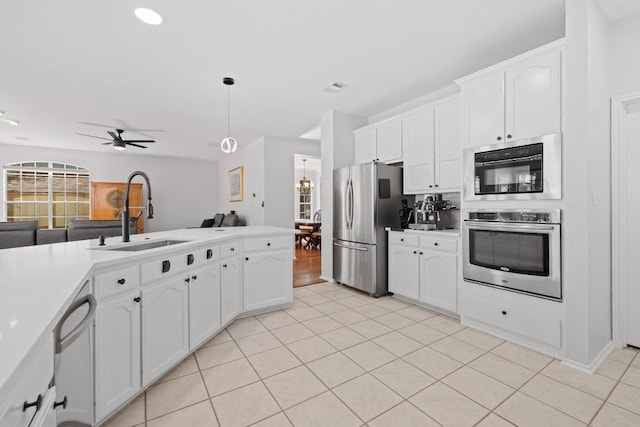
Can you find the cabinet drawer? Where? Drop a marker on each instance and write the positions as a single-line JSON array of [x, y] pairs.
[[164, 267], [440, 244], [229, 249], [116, 281], [267, 244], [402, 239], [543, 329]]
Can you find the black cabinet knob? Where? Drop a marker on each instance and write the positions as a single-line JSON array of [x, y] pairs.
[[246, 259], [268, 244], [436, 186], [187, 280], [415, 252], [421, 253], [194, 277], [121, 281], [509, 136], [402, 240], [504, 312], [37, 403], [435, 244], [430, 186], [232, 249], [499, 138], [224, 265], [137, 299], [62, 403]]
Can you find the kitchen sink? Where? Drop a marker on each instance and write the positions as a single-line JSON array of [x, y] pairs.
[[143, 246]]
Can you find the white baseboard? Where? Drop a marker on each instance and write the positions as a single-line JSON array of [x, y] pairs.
[[328, 279], [593, 367]]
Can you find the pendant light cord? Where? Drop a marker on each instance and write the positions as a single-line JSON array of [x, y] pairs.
[[228, 112]]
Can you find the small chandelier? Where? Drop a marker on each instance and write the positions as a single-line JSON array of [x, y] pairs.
[[304, 186], [229, 144]]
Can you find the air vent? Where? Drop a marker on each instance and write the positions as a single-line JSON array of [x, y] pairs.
[[335, 87]]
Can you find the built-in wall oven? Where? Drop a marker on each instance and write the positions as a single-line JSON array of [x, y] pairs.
[[516, 170], [518, 251]]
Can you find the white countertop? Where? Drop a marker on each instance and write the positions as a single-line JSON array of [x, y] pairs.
[[38, 282], [448, 233]]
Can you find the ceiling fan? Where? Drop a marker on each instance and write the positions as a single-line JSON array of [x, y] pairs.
[[117, 141]]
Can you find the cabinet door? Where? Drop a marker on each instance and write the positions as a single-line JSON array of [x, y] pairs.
[[165, 326], [403, 271], [231, 290], [204, 303], [267, 279], [117, 348], [533, 96], [482, 103], [439, 279], [46, 416], [418, 141], [364, 144], [448, 147], [389, 141]]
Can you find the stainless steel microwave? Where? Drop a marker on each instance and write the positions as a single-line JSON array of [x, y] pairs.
[[517, 170]]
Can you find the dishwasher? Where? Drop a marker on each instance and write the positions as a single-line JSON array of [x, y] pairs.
[[73, 370]]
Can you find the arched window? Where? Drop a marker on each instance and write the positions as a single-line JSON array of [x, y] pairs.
[[51, 193]]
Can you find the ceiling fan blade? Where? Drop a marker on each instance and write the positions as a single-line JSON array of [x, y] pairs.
[[135, 145], [139, 140], [113, 135], [93, 136]]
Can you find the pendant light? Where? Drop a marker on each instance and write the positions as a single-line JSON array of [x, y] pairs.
[[305, 185], [229, 144]]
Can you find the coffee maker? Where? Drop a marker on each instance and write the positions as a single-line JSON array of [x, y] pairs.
[[405, 214], [432, 213]]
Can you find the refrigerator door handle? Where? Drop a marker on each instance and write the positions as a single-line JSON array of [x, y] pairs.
[[350, 247], [350, 204], [346, 204]]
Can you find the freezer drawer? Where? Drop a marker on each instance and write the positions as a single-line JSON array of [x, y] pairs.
[[355, 265]]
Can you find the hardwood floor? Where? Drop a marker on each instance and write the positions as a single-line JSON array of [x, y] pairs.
[[307, 267]]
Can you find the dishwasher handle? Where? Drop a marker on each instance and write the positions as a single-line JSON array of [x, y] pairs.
[[62, 343]]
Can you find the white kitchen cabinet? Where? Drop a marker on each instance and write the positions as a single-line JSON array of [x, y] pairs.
[[389, 141], [259, 292], [520, 98], [424, 268], [418, 140], [204, 303], [448, 147], [165, 326], [381, 142], [404, 271], [439, 278], [364, 144], [432, 149], [117, 351], [230, 289]]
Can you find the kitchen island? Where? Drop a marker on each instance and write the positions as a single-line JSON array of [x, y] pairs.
[[38, 283]]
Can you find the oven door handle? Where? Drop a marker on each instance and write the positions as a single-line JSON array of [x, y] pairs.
[[508, 227]]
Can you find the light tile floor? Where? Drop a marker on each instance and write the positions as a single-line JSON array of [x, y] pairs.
[[340, 358]]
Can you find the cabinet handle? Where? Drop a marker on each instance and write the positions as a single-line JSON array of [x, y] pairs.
[[232, 249], [62, 403], [437, 186], [137, 299], [224, 265], [421, 253], [194, 277], [268, 244], [499, 138], [209, 253], [435, 244], [187, 280], [415, 252], [504, 312], [121, 281], [37, 403], [402, 240], [166, 266], [430, 186], [189, 259], [246, 259], [508, 136]]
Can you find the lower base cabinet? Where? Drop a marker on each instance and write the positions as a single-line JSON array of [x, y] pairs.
[[117, 351], [204, 304], [230, 289], [267, 279], [438, 279], [165, 326], [404, 270]]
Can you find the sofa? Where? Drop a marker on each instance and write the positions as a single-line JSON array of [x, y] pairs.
[[26, 233]]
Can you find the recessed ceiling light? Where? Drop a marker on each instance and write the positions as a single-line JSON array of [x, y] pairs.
[[148, 16], [335, 87], [12, 122]]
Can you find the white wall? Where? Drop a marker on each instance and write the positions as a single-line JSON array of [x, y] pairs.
[[184, 191], [251, 158], [336, 152], [625, 61], [280, 178]]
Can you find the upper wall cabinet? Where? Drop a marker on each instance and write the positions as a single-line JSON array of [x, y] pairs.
[[518, 99], [382, 143]]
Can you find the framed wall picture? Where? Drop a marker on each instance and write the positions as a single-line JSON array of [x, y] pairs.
[[235, 184]]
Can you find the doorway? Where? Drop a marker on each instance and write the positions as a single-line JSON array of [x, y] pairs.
[[308, 220], [626, 228]]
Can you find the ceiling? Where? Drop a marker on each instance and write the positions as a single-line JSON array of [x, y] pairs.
[[312, 163], [619, 9], [68, 64]]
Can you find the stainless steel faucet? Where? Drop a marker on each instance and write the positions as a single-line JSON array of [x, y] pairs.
[[125, 212]]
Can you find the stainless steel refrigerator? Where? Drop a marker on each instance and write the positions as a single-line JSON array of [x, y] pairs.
[[366, 199]]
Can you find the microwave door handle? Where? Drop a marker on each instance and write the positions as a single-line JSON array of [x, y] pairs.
[[490, 226]]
